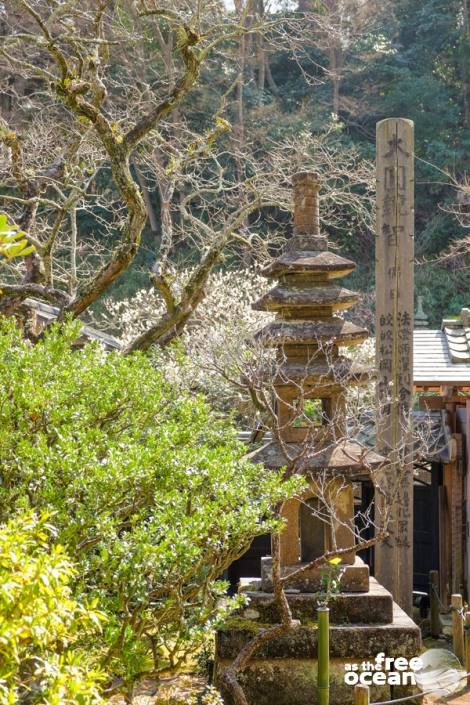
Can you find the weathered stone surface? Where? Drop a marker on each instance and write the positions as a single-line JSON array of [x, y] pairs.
[[326, 265], [290, 537], [348, 457], [331, 297], [373, 607], [308, 336], [249, 584], [293, 682], [318, 376], [399, 638], [306, 208], [290, 332], [355, 578], [338, 372]]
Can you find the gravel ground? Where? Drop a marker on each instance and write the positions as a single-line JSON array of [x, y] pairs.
[[176, 690]]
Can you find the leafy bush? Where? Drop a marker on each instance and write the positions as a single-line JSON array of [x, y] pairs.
[[12, 240], [150, 491], [40, 622]]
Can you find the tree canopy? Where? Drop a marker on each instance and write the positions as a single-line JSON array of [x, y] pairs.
[[138, 140]]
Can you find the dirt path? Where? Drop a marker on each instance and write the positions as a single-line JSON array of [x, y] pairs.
[[175, 690]]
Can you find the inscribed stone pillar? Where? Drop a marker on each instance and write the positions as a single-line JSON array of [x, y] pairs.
[[394, 350]]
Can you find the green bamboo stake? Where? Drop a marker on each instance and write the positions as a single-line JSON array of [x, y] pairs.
[[323, 679]]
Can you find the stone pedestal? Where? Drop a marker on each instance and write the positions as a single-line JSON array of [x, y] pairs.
[[284, 672]]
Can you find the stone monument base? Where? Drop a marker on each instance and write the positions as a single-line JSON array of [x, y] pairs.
[[284, 670]]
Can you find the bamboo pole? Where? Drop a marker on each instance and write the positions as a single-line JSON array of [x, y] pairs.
[[323, 679], [434, 618], [458, 627], [361, 695]]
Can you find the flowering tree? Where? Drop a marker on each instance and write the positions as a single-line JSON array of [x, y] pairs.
[[98, 129]]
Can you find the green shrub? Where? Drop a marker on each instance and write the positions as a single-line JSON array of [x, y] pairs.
[[150, 491], [40, 622], [13, 242]]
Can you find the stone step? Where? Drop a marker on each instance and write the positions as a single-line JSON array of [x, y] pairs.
[[294, 682], [401, 637], [355, 578], [373, 607]]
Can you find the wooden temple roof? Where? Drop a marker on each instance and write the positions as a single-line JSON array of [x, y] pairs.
[[433, 365], [46, 313]]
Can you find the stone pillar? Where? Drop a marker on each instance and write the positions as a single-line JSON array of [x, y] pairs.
[[307, 211], [341, 496], [290, 539], [394, 349]]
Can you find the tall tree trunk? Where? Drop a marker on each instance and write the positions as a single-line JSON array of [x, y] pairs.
[[261, 64], [73, 279], [465, 53], [152, 216], [245, 14], [261, 61], [335, 68], [269, 77]]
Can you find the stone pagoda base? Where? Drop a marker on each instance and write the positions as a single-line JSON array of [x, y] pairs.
[[284, 671]]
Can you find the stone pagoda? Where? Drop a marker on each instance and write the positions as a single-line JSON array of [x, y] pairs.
[[310, 378]]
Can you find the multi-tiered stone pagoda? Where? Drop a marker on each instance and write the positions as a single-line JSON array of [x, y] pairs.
[[310, 378]]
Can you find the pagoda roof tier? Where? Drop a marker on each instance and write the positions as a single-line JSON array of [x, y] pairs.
[[311, 262], [339, 372], [322, 297], [349, 457], [314, 333]]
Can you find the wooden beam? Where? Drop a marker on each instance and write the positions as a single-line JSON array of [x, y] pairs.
[[443, 543], [431, 403], [456, 510], [446, 527]]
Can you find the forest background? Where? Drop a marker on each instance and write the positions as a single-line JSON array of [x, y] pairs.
[[364, 61]]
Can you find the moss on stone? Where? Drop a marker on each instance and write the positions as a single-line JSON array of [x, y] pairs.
[[310, 623], [246, 625]]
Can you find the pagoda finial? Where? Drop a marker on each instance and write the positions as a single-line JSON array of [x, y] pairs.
[[307, 234]]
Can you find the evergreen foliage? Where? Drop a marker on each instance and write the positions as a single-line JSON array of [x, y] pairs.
[[149, 491], [42, 628]]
